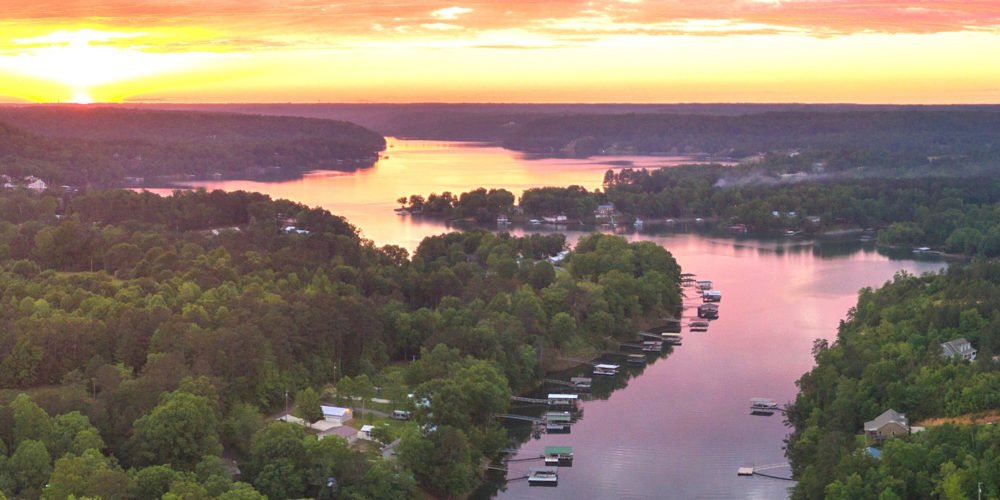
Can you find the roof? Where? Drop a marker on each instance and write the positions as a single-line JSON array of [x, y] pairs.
[[323, 425], [367, 428], [886, 417], [564, 396], [342, 431], [603, 365], [558, 450], [956, 347], [334, 411]]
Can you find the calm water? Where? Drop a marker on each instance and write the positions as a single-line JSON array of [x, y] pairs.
[[682, 428], [367, 197]]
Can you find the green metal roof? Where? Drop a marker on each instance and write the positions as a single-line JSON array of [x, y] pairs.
[[558, 450]]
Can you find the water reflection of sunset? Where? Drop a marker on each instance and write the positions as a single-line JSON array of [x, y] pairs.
[[366, 197]]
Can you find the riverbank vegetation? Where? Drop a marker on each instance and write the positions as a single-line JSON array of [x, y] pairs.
[[85, 146], [142, 338], [891, 138], [951, 214], [888, 354]]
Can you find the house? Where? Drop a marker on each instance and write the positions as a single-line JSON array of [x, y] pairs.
[[889, 424], [37, 185], [344, 432], [605, 210], [336, 414], [958, 348], [292, 419], [366, 432]]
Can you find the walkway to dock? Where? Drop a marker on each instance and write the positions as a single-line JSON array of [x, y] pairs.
[[559, 382], [525, 418], [534, 401], [761, 471]]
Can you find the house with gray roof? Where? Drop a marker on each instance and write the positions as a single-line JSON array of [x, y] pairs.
[[958, 348], [889, 424]]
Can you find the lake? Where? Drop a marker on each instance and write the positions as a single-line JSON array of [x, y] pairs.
[[681, 428]]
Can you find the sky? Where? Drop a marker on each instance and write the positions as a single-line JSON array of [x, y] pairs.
[[657, 51]]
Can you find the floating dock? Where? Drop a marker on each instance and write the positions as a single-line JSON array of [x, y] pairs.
[[543, 477]]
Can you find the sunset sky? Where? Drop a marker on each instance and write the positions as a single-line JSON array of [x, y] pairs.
[[934, 51]]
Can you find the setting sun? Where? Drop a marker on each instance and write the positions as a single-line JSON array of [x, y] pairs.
[[425, 50]]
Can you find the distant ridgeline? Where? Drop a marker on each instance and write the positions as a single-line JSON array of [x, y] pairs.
[[925, 348], [882, 138], [80, 146]]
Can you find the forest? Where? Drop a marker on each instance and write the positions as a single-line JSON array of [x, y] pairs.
[[144, 341], [907, 137], [887, 354], [85, 146], [959, 215]]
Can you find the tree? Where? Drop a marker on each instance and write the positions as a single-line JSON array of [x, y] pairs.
[[179, 431], [88, 475], [30, 421], [30, 466], [440, 459], [241, 491], [307, 405], [239, 427]]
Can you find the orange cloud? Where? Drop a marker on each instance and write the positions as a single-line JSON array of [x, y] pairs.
[[665, 50]]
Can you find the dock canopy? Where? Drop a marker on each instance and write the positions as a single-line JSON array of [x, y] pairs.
[[558, 450], [606, 366], [564, 396]]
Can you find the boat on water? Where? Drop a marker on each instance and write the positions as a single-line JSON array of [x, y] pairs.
[[606, 369], [503, 220], [543, 477], [672, 338], [638, 223], [553, 428], [636, 359], [708, 311], [698, 326], [763, 404], [534, 222], [711, 296], [581, 383], [652, 346], [557, 219]]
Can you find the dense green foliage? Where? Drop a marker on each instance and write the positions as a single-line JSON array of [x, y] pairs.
[[954, 214], [82, 146], [888, 355], [171, 323]]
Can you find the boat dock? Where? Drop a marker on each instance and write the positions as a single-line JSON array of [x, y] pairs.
[[763, 471]]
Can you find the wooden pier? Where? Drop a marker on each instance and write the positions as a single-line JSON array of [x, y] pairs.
[[763, 471]]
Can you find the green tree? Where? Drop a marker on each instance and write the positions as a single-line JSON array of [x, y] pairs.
[[88, 475], [30, 421], [30, 467], [307, 405], [179, 431]]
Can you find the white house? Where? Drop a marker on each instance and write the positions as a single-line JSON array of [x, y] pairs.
[[958, 348], [366, 432], [336, 414], [37, 185]]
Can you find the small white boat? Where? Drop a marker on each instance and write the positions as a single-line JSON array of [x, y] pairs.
[[606, 369], [763, 404]]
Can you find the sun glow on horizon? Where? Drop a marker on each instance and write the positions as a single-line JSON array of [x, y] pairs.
[[486, 51], [83, 61]]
